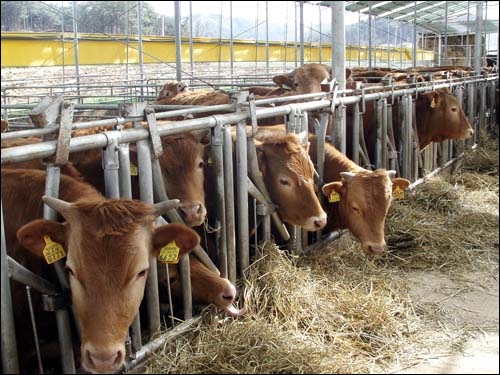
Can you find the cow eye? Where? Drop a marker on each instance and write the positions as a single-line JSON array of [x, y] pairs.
[[284, 182], [453, 109], [201, 164], [356, 209], [143, 273], [69, 270]]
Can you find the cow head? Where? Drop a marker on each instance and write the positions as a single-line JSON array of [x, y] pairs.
[[364, 198], [288, 174], [109, 244], [207, 286], [171, 89], [306, 79], [440, 117], [182, 166]]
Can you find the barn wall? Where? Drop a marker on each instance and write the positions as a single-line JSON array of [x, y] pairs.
[[54, 49]]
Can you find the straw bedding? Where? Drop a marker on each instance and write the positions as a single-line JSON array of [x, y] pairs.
[[338, 311]]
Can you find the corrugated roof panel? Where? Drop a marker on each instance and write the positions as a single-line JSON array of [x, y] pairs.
[[439, 17]]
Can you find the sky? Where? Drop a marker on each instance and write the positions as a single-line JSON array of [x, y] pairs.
[[277, 10]]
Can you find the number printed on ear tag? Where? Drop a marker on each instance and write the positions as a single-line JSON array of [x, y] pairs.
[[53, 251], [333, 197], [169, 253]]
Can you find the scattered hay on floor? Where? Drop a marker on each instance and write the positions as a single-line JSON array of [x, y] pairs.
[[338, 311]]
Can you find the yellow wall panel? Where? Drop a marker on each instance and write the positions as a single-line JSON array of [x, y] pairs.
[[50, 49]]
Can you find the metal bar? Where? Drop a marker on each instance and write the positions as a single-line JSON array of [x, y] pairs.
[[10, 360]]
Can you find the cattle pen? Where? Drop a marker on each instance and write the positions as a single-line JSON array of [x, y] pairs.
[[53, 105]]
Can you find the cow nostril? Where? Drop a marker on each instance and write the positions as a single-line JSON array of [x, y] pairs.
[[320, 223], [105, 361], [229, 293]]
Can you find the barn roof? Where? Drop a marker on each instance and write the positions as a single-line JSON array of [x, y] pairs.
[[430, 15]]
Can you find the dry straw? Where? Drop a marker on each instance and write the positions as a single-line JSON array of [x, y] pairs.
[[338, 311]]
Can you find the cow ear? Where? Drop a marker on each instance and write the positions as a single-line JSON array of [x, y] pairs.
[[33, 236], [434, 99], [348, 74], [282, 81], [185, 238], [332, 191], [402, 183], [398, 187], [261, 155], [202, 135]]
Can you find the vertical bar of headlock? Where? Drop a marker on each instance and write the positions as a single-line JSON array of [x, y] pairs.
[[160, 195], [125, 189], [378, 141], [10, 360], [414, 138], [393, 154], [406, 136], [62, 315], [385, 124], [110, 164], [471, 113], [146, 194], [355, 132], [297, 123], [228, 185], [459, 93], [218, 172], [259, 208], [482, 106], [242, 197], [320, 158], [492, 118]]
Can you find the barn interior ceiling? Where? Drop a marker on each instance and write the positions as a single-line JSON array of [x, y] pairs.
[[439, 17]]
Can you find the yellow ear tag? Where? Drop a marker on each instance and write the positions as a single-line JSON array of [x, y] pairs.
[[433, 103], [209, 161], [169, 253], [398, 193], [52, 251], [134, 171], [334, 197]]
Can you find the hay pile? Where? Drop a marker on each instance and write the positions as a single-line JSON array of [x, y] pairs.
[[341, 312]]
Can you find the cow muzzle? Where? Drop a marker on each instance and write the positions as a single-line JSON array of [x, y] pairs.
[[102, 360], [193, 213], [373, 249]]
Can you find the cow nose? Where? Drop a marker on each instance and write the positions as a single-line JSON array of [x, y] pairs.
[[103, 361], [320, 222], [193, 213], [374, 249], [229, 293]]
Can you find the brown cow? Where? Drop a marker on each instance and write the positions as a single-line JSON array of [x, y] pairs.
[[108, 244], [439, 116], [207, 287], [362, 197], [181, 163], [288, 173], [5, 125], [202, 97], [306, 79], [171, 89], [359, 199]]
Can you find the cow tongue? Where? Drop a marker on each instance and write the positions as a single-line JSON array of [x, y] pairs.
[[234, 312]]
